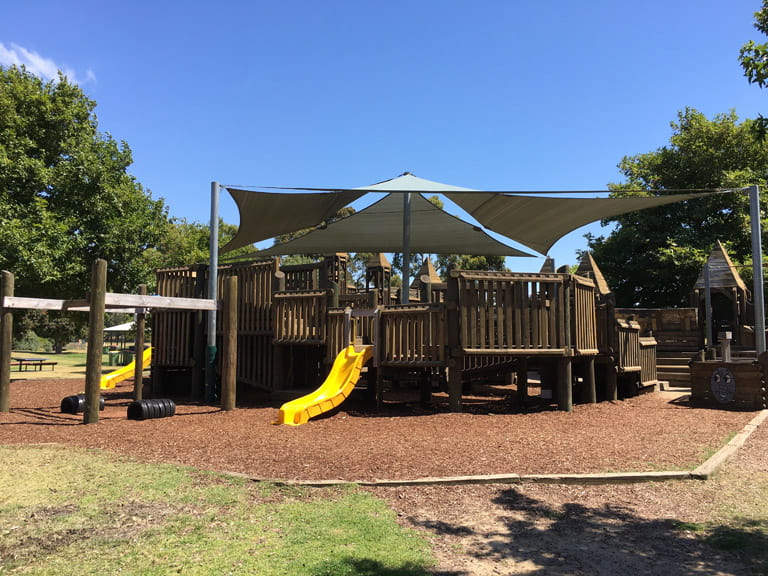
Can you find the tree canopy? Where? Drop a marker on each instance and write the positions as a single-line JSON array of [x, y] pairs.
[[754, 56], [652, 258], [66, 197]]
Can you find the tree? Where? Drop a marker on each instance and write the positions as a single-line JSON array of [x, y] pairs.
[[186, 243], [66, 197], [445, 263], [653, 257], [753, 56], [754, 60]]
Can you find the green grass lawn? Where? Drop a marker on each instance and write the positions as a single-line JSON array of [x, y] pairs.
[[69, 511]]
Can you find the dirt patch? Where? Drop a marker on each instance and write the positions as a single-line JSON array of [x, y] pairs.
[[522, 529]]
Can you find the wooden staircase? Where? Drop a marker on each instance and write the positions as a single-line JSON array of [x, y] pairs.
[[673, 367]]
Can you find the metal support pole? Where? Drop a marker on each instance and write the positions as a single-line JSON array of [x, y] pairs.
[[708, 306], [757, 268], [405, 289], [213, 279]]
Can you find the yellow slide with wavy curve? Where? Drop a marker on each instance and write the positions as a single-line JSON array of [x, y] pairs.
[[337, 386], [126, 372]]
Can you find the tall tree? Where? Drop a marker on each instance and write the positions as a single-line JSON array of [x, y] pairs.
[[754, 56], [754, 60], [651, 258], [66, 197]]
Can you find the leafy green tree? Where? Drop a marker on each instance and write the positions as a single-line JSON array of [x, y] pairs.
[[66, 197], [468, 262], [652, 258], [754, 60], [754, 56], [186, 243]]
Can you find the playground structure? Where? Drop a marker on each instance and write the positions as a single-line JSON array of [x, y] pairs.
[[293, 321], [284, 325]]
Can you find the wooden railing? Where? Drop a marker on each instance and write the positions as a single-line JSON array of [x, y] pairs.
[[501, 312], [648, 360], [299, 317], [362, 327], [254, 295], [412, 335], [627, 346], [584, 320], [173, 331]]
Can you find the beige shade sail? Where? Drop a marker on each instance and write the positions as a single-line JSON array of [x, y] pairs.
[[264, 215], [539, 222], [379, 228], [533, 221]]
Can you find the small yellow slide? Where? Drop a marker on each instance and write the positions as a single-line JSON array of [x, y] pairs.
[[126, 372], [337, 386]]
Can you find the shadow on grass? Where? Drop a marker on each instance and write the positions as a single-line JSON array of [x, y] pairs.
[[367, 567], [607, 540]]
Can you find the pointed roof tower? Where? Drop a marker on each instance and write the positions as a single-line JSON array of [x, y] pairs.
[[378, 260], [427, 269], [589, 268], [722, 272], [549, 266]]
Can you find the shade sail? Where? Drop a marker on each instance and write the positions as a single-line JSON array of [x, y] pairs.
[[538, 222], [379, 228], [533, 221], [264, 215]]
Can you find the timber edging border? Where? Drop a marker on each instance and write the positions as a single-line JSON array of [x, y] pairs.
[[703, 472]]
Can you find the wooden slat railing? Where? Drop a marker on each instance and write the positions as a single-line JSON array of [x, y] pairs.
[[648, 373], [412, 335], [584, 320], [627, 346], [360, 327], [502, 312], [173, 331], [299, 317]]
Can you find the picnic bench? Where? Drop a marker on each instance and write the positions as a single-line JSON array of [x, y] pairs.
[[31, 364]]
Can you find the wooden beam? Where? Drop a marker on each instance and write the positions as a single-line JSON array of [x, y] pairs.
[[18, 302], [165, 302]]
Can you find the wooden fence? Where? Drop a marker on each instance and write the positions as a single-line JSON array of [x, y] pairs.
[[412, 335], [528, 314], [173, 332], [300, 317], [648, 373]]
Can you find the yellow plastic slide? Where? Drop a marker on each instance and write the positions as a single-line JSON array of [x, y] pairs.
[[337, 386], [126, 372]]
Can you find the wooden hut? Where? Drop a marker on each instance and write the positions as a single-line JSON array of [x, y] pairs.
[[731, 311]]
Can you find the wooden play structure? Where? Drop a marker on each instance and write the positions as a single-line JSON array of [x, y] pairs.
[[294, 320]]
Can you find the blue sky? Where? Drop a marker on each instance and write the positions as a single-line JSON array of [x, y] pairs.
[[545, 95]]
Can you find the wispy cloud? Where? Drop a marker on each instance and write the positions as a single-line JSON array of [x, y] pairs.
[[46, 68]]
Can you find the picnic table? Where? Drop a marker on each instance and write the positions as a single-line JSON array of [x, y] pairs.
[[34, 364]]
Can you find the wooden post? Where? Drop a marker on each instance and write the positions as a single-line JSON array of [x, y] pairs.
[[95, 341], [138, 347], [564, 385], [229, 345], [589, 392], [611, 383], [522, 381], [6, 342], [332, 294], [455, 359]]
